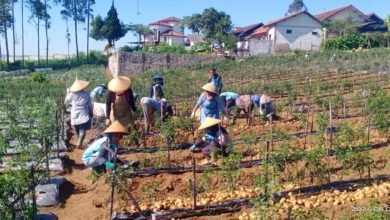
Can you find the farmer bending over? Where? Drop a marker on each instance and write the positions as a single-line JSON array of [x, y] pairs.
[[246, 103], [229, 100], [81, 109], [210, 103], [267, 107], [100, 154], [98, 92], [157, 88], [215, 138], [149, 106]]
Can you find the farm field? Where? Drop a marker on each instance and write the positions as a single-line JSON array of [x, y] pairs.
[[326, 157]]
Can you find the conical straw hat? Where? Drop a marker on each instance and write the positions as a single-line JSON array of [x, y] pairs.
[[78, 85], [210, 87], [208, 122], [119, 84], [116, 127], [265, 99]]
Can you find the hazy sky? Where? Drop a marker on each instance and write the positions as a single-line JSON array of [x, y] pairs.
[[242, 12]]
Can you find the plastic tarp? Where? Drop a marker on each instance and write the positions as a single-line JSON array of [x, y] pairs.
[[46, 216], [47, 195]]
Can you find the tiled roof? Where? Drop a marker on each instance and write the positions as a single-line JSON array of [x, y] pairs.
[[245, 31], [290, 16], [196, 38], [172, 33], [165, 21], [326, 15], [263, 31]]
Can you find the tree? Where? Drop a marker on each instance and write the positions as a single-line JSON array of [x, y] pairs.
[[110, 29], [193, 22], [22, 6], [37, 9], [296, 6], [141, 31], [89, 15], [77, 10], [113, 29], [341, 27], [212, 23], [387, 22], [13, 26], [47, 26], [5, 22]]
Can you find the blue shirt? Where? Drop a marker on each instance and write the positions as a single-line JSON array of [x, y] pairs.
[[97, 92], [217, 80], [155, 104], [210, 108], [229, 95], [96, 146]]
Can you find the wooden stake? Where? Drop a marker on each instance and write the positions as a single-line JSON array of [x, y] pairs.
[[312, 122], [194, 181], [46, 145], [129, 194], [113, 179], [330, 125], [306, 125], [344, 110], [34, 202], [57, 135]]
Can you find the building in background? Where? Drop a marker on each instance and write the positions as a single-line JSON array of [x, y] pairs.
[[167, 31]]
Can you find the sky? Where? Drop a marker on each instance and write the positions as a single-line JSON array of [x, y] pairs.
[[242, 12]]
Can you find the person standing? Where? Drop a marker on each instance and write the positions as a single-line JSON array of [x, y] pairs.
[[120, 102], [216, 79], [81, 109]]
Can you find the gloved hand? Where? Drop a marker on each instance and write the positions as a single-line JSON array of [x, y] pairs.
[[110, 165], [192, 148], [209, 137], [108, 121]]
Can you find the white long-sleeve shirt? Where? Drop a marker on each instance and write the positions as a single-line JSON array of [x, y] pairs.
[[81, 107]]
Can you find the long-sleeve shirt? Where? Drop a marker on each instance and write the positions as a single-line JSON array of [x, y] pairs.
[[81, 108], [210, 108], [111, 99], [217, 80], [229, 95], [98, 92]]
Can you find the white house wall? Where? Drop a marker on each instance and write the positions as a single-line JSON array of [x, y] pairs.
[[175, 41], [306, 33]]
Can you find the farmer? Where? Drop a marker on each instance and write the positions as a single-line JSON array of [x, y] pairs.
[[81, 109], [216, 79], [267, 108], [210, 103], [149, 106], [229, 100], [98, 92], [120, 103], [156, 89], [246, 103], [215, 138], [100, 154]]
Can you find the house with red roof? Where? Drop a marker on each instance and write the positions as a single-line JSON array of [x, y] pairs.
[[299, 30], [364, 22], [167, 30], [242, 32]]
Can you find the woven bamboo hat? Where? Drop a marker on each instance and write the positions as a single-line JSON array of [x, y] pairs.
[[210, 87], [208, 122], [78, 85], [116, 127], [119, 84]]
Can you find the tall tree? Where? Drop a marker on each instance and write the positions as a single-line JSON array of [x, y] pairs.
[[22, 5], [5, 22], [296, 6], [110, 29], [47, 26], [141, 30], [113, 29], [194, 23], [37, 9], [212, 23], [75, 9], [89, 15], [13, 27]]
